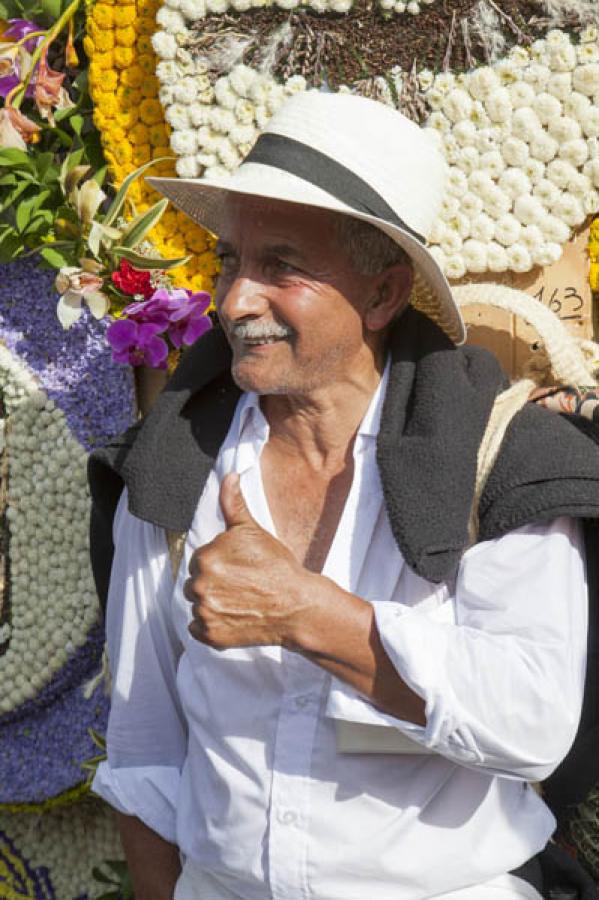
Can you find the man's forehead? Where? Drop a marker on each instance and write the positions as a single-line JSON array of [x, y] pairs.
[[276, 216]]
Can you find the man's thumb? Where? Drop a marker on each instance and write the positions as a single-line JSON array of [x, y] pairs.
[[232, 503]]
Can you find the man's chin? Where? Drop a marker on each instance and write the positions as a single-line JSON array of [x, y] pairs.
[[250, 378]]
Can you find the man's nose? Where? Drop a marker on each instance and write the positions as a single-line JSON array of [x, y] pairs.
[[244, 298]]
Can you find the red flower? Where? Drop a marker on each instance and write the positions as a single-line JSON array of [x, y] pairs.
[[132, 281]]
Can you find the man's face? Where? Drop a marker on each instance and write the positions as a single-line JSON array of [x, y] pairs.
[[288, 298]]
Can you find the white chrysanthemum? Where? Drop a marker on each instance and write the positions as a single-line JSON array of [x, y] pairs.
[[185, 91], [177, 116], [576, 105], [217, 7], [227, 154], [519, 258], [262, 116], [295, 85], [585, 79], [482, 227], [547, 107], [546, 254], [165, 45], [471, 204], [537, 75], [579, 185], [467, 159], [538, 51], [499, 105], [171, 20], [166, 94], [546, 191], [529, 210], [451, 242], [168, 72], [560, 85], [593, 145], [454, 267], [514, 182], [242, 78], [589, 33], [555, 37], [208, 138], [434, 99], [560, 171], [569, 209], [413, 8], [449, 207], [554, 229], [496, 203], [185, 142], [478, 115], [515, 151], [187, 167], [457, 105], [562, 58], [507, 229], [320, 6], [591, 170], [461, 224], [589, 121], [519, 56], [341, 6], [426, 79], [224, 93], [438, 231], [243, 134], [497, 260], [206, 160], [199, 113], [587, 53], [480, 183], [193, 9], [575, 152], [534, 169], [244, 112], [439, 122], [241, 5], [445, 82], [260, 90], [222, 120], [438, 255], [216, 173], [202, 83], [493, 163], [563, 128], [521, 94], [532, 237], [590, 202], [450, 147], [474, 254], [288, 4], [486, 139], [457, 183], [275, 97], [525, 123], [543, 147]]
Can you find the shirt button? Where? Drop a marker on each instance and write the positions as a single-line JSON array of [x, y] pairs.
[[287, 816]]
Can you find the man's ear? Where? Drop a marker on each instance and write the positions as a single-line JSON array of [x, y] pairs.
[[389, 296]]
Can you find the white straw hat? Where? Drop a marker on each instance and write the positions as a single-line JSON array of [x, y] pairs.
[[350, 155]]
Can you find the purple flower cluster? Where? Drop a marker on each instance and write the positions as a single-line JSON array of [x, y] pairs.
[[16, 31], [177, 316], [19, 877], [75, 367]]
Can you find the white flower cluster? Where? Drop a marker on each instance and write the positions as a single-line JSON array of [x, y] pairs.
[[69, 842], [53, 601], [522, 141], [193, 10]]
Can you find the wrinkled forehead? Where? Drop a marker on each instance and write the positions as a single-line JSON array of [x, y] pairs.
[[263, 216]]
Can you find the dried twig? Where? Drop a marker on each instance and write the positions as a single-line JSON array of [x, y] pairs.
[[450, 40]]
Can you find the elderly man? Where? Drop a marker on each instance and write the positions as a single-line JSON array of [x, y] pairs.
[[334, 695]]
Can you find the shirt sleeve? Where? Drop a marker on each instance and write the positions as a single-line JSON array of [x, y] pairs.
[[502, 681], [146, 736]]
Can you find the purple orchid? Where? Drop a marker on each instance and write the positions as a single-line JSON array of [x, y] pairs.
[[156, 310], [189, 320], [137, 343], [14, 59]]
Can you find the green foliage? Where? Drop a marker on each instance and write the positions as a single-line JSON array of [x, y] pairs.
[[117, 878]]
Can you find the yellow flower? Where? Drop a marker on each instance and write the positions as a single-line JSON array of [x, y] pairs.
[[89, 47], [149, 86], [105, 41], [116, 134], [141, 154], [104, 60], [124, 15], [127, 119], [123, 153], [150, 111], [159, 139], [144, 46], [127, 97], [139, 134], [108, 105], [102, 14], [125, 37], [169, 222], [134, 77], [109, 82], [146, 62], [123, 57]]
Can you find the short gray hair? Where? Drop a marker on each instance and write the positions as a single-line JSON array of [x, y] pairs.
[[370, 250]]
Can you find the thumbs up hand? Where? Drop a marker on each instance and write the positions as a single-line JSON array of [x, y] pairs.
[[246, 588]]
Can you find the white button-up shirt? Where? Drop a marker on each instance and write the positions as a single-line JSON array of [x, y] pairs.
[[283, 782]]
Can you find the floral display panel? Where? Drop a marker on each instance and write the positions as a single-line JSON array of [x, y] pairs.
[[510, 92]]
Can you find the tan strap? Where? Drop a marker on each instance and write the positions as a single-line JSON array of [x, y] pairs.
[[175, 541]]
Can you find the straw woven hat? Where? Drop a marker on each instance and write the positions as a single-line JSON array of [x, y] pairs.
[[353, 156]]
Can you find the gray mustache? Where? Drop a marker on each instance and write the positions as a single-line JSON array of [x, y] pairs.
[[259, 331]]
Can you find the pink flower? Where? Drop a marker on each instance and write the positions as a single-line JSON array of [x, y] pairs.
[[137, 344], [189, 320], [16, 130], [76, 287]]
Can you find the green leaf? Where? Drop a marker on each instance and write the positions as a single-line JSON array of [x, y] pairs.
[[24, 215], [8, 180], [43, 163], [142, 223], [100, 175], [11, 246], [13, 157], [147, 262], [56, 259], [9, 9], [100, 876], [51, 8], [117, 204], [14, 195]]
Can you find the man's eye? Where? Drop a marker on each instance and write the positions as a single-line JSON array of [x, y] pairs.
[[282, 266]]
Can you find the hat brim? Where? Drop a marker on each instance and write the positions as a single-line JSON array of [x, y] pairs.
[[203, 201]]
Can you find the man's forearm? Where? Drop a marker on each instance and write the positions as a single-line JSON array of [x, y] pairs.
[[339, 634], [154, 864]]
